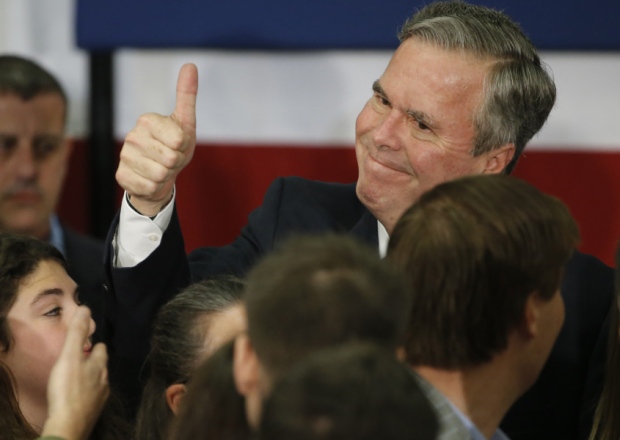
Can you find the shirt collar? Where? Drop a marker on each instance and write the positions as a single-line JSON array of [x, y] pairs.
[[384, 238], [57, 238], [473, 430]]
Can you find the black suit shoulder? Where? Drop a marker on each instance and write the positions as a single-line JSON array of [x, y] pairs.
[[559, 405], [84, 252], [291, 205], [313, 206]]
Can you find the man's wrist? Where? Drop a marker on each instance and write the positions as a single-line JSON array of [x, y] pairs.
[[148, 213]]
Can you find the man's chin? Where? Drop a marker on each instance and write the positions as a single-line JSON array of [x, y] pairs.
[[372, 196], [26, 224]]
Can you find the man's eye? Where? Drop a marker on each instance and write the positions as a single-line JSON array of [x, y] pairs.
[[7, 144], [54, 312], [44, 147], [382, 99], [423, 126]]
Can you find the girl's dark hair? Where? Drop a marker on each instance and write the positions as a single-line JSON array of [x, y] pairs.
[[212, 408], [20, 256], [176, 345], [13, 425]]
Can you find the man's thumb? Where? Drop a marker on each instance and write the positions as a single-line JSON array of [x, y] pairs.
[[187, 88]]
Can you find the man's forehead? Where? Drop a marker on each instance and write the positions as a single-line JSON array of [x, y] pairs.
[[422, 70], [46, 108]]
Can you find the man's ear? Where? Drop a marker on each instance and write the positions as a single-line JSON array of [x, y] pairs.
[[245, 366], [67, 148], [498, 159], [531, 315], [174, 394]]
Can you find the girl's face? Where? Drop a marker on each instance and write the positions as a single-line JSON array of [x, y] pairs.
[[38, 320]]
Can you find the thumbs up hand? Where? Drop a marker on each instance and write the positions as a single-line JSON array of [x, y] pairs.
[[159, 147]]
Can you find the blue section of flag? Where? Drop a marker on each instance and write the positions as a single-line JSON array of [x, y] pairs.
[[321, 24]]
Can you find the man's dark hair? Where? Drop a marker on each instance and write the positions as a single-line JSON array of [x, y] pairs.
[[319, 291], [177, 346], [353, 392], [27, 79], [519, 93], [212, 407], [474, 249]]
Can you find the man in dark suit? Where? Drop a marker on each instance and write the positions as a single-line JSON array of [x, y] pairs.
[[463, 94], [34, 158]]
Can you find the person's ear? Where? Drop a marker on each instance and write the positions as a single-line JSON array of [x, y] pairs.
[[531, 315], [401, 354], [174, 394], [498, 159], [245, 366], [67, 148]]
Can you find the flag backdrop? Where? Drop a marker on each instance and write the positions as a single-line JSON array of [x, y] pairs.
[[281, 84]]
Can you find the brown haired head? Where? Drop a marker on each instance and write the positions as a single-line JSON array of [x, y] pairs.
[[319, 291], [474, 249]]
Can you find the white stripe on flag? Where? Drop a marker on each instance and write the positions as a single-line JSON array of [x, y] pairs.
[[313, 98]]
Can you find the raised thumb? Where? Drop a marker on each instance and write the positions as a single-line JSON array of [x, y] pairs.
[[187, 88]]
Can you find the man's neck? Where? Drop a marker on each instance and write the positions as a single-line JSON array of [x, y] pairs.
[[483, 394]]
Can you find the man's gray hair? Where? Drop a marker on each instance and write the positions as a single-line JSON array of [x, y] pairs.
[[518, 90]]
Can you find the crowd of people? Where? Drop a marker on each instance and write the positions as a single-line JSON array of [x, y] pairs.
[[435, 298]]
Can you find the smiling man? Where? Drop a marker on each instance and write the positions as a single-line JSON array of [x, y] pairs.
[[417, 130], [34, 160], [463, 94]]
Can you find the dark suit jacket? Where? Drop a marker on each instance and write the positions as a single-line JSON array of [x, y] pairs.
[[85, 260], [297, 205]]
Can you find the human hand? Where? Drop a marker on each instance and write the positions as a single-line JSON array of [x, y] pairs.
[[159, 147], [78, 385]]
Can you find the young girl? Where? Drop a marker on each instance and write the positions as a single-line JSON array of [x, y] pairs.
[[38, 299]]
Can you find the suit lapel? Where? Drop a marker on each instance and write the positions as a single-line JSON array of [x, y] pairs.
[[366, 229]]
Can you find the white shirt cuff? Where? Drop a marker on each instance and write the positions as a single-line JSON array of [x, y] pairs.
[[137, 236]]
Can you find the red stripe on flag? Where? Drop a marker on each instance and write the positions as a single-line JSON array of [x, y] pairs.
[[589, 183], [224, 183]]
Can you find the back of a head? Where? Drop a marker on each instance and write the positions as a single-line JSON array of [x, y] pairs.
[[178, 346], [318, 291], [27, 79], [354, 392], [212, 408], [519, 92], [474, 249]]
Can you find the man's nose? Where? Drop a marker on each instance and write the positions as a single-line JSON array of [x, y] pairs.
[[24, 161], [387, 133]]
